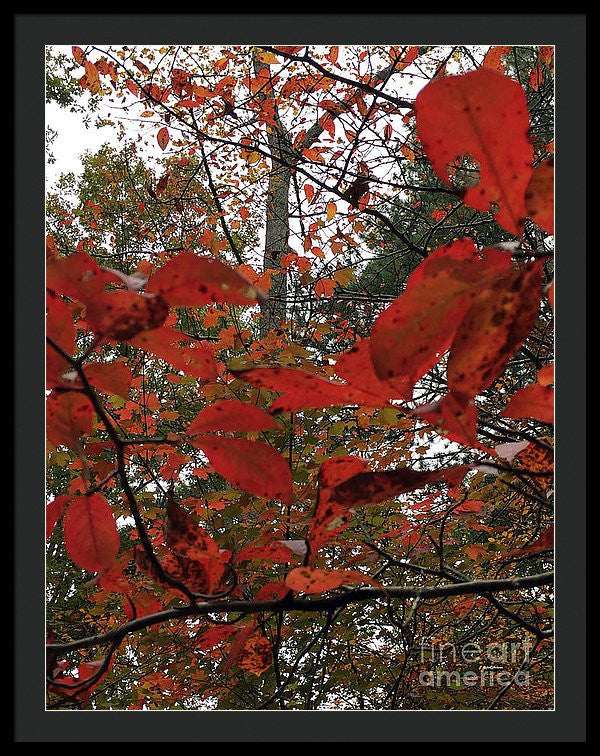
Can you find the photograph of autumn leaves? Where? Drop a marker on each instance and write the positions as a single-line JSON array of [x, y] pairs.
[[299, 377]]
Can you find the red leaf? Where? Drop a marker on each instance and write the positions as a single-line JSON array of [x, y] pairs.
[[493, 58], [311, 580], [250, 465], [77, 276], [302, 390], [110, 377], [330, 518], [189, 540], [215, 635], [274, 551], [116, 314], [372, 487], [54, 512], [271, 592], [91, 536], [256, 656], [191, 573], [356, 367], [495, 326], [546, 375], [535, 401], [59, 328], [121, 315], [76, 687], [418, 327], [484, 115], [231, 415], [192, 359], [189, 280], [539, 197], [69, 416], [163, 138], [144, 602]]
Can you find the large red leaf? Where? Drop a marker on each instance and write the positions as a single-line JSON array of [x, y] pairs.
[[331, 518], [231, 415], [69, 416], [535, 401], [116, 314], [91, 536], [77, 276], [189, 280], [410, 336], [539, 197], [302, 390], [250, 465], [119, 315], [59, 328], [179, 350], [356, 367], [372, 487], [268, 550], [189, 540], [482, 114], [311, 580], [495, 326], [110, 377], [190, 572], [54, 512]]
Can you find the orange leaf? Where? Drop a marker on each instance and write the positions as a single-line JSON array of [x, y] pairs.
[[325, 287], [163, 138]]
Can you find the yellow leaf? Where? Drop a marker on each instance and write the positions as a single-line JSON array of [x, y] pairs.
[[269, 58]]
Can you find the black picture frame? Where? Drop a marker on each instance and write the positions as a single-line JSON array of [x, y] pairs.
[[31, 722]]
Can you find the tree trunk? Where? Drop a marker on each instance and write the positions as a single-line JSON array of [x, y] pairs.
[[276, 239]]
